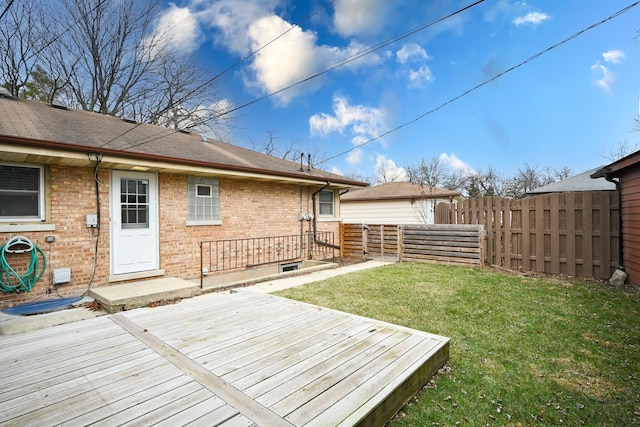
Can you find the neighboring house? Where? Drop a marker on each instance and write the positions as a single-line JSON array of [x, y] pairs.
[[625, 173], [580, 182], [160, 192], [393, 203]]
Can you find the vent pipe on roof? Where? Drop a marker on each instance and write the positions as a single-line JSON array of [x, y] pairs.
[[203, 137]]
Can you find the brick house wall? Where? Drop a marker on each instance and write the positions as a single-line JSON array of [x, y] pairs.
[[247, 209]]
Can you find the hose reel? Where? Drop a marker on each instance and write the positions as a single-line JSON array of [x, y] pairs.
[[10, 279]]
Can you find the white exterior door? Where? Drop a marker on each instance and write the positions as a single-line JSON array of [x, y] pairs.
[[134, 222]]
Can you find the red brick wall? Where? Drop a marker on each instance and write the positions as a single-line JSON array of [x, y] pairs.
[[70, 196], [247, 209]]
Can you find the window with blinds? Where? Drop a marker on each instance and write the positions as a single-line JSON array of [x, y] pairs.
[[21, 192]]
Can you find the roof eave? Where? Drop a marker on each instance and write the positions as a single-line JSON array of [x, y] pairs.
[[61, 147]]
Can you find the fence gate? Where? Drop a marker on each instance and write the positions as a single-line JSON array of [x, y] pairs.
[[458, 244]]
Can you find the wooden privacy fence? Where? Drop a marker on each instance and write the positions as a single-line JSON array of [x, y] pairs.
[[459, 244], [576, 234]]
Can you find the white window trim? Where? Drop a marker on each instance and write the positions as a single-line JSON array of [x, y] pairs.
[[212, 195], [333, 205], [192, 223], [209, 186], [41, 197]]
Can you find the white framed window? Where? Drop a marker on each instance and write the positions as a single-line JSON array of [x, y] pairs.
[[203, 204], [203, 190], [325, 203], [21, 193]]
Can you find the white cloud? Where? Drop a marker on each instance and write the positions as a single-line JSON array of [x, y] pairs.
[[414, 53], [232, 18], [361, 121], [293, 58], [411, 52], [359, 17], [604, 77], [420, 77], [456, 164], [177, 29], [248, 26], [182, 28], [283, 63], [337, 170], [355, 156], [391, 171], [614, 56], [532, 18]]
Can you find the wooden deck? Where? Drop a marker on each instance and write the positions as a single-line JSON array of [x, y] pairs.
[[237, 359]]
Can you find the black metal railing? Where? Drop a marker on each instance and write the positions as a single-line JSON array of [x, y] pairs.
[[237, 254]]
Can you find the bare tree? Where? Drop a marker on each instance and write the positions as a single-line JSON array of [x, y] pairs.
[[432, 173], [108, 57], [530, 177], [436, 173], [21, 44], [44, 87], [111, 54], [272, 147], [485, 183], [623, 148], [386, 172]]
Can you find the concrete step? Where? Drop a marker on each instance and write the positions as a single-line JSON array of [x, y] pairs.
[[141, 294]]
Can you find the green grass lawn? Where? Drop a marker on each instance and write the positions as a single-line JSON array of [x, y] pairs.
[[524, 351]]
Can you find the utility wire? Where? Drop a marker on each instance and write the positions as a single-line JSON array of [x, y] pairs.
[[332, 67], [354, 57], [486, 82], [69, 27], [214, 78], [6, 9]]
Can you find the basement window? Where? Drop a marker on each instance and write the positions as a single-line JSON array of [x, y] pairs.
[[290, 267], [21, 193]]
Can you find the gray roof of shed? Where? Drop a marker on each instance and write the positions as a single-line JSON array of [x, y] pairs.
[[395, 191], [39, 124], [580, 182]]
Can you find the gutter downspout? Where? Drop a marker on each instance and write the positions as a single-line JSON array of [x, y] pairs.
[[608, 177], [315, 218]]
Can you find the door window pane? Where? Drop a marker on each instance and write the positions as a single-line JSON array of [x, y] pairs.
[[135, 206]]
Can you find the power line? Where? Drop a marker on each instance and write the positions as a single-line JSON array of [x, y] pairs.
[[355, 57], [59, 35], [6, 9], [486, 82], [332, 67], [217, 76]]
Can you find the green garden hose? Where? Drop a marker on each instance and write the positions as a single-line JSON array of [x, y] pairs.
[[10, 279]]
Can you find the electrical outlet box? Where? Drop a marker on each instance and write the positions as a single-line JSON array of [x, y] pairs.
[[92, 220], [61, 275]]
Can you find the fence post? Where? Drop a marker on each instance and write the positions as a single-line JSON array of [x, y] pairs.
[[365, 247], [400, 242]]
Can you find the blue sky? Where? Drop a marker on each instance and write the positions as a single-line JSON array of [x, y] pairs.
[[569, 107]]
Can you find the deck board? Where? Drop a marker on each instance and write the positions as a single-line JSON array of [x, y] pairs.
[[238, 359]]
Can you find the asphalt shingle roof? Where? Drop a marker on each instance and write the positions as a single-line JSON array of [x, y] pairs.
[[397, 190], [40, 124], [580, 182]]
